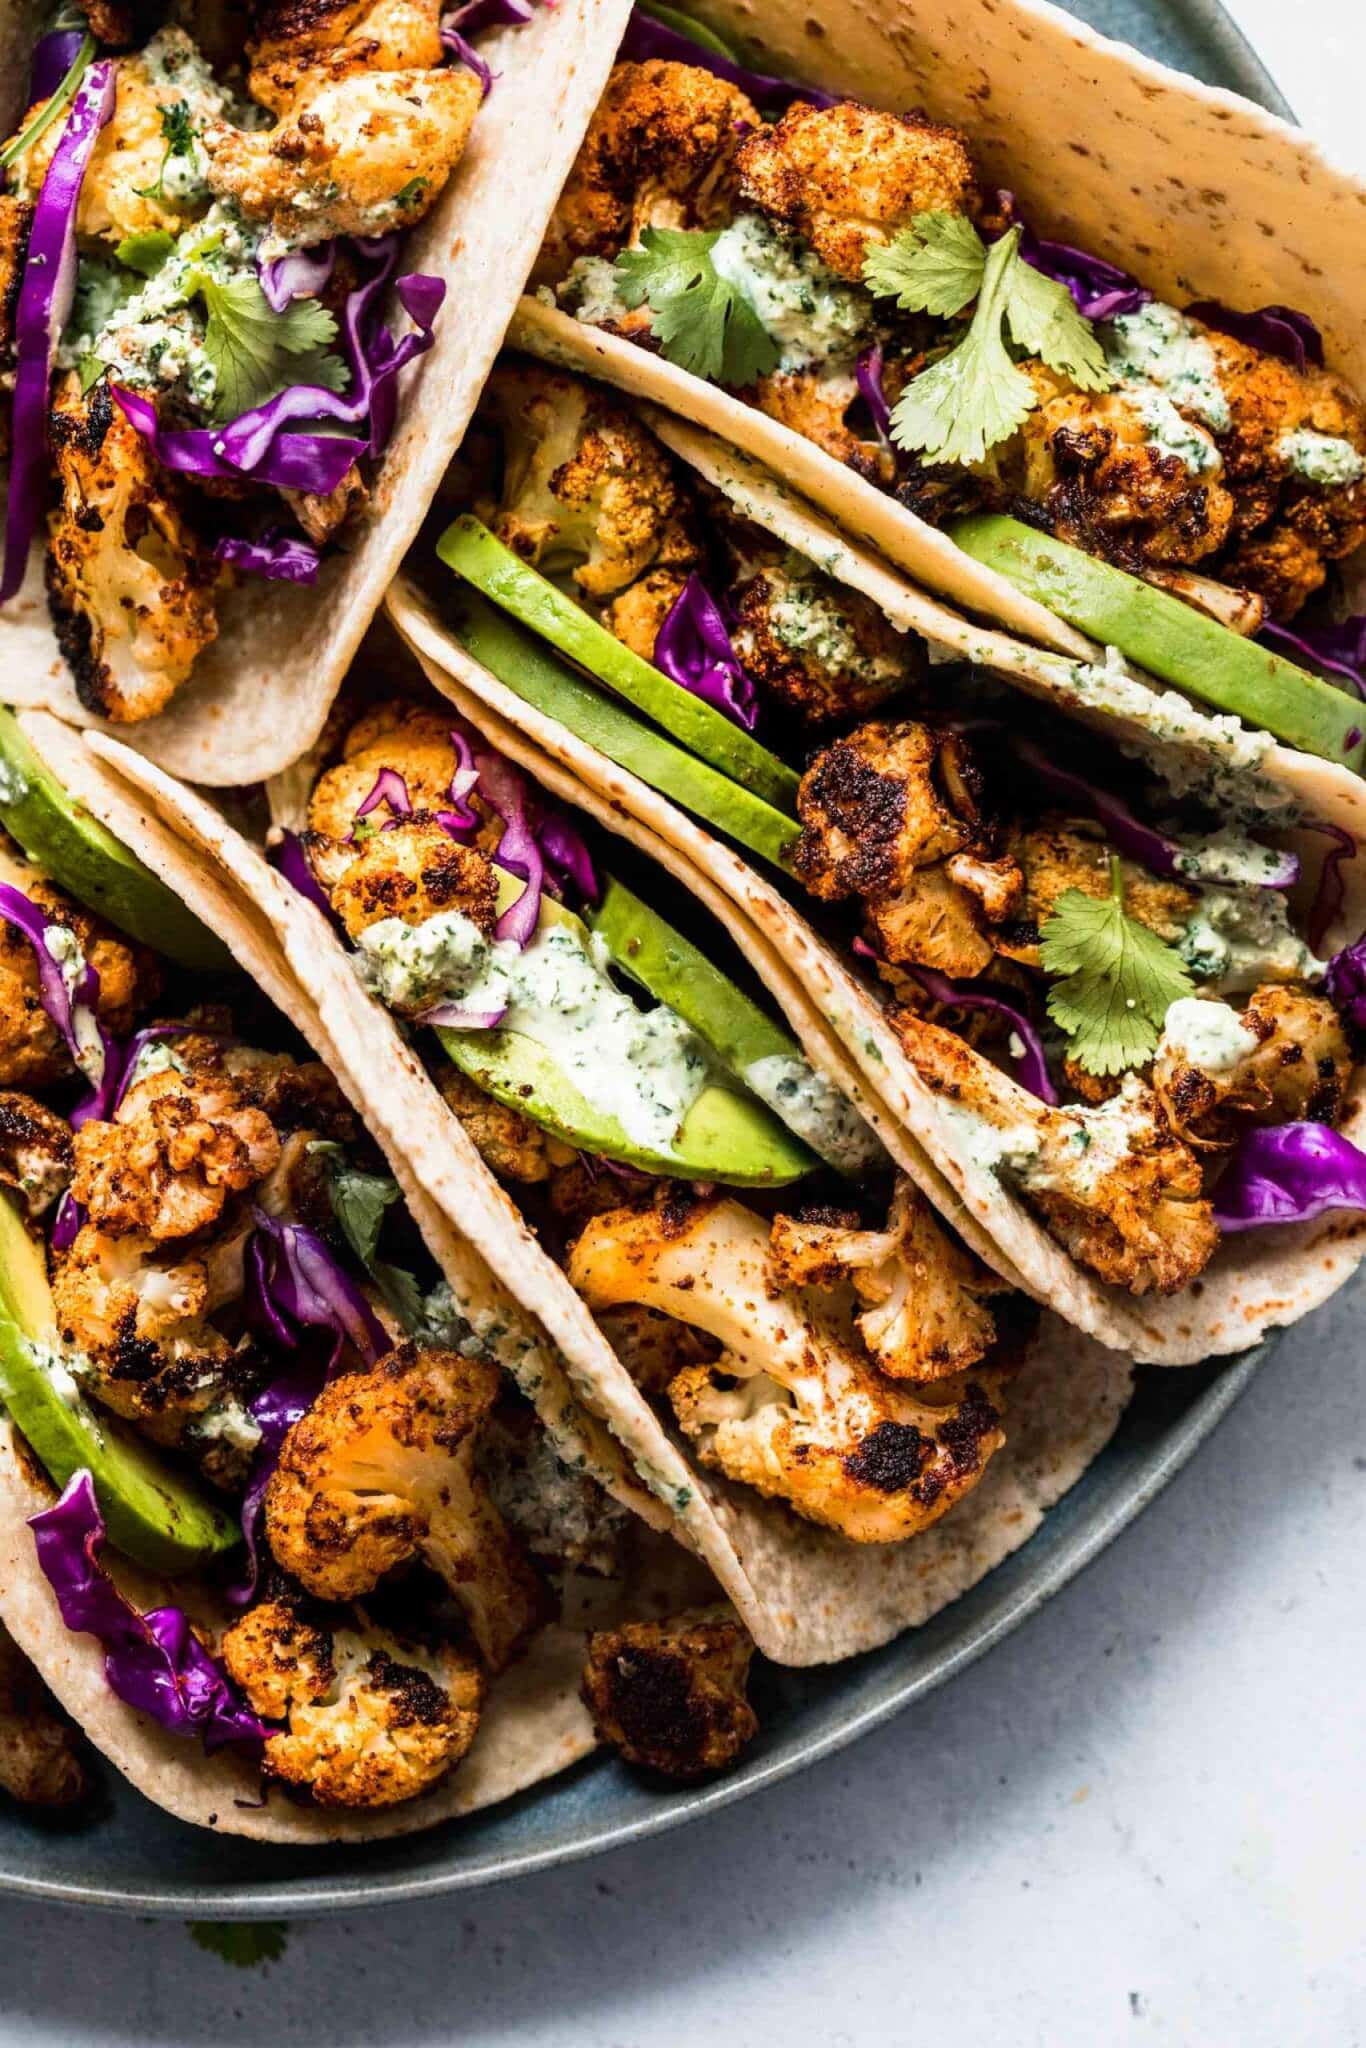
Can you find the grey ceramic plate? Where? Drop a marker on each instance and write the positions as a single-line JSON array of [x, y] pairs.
[[133, 1858]]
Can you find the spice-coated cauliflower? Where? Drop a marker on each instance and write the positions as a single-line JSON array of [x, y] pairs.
[[670, 1695]]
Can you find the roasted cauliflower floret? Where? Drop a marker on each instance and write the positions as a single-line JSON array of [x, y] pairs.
[[40, 1757], [382, 1470], [129, 582], [36, 1154], [1285, 1060], [368, 1719], [790, 1406], [815, 404], [297, 44], [123, 192], [1092, 462], [587, 491], [508, 1143], [822, 651], [670, 1695], [926, 1315], [411, 740], [636, 618], [362, 156], [653, 1347], [850, 177], [1059, 854], [33, 1053], [1115, 1186], [660, 152], [411, 870]]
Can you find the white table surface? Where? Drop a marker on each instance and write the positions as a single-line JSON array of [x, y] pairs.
[[1139, 1821]]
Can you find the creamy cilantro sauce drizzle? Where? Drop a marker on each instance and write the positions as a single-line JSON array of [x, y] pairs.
[[1238, 938], [1325, 459], [1159, 346], [65, 948], [1227, 856], [816, 1111], [812, 314], [1171, 433], [1206, 1034]]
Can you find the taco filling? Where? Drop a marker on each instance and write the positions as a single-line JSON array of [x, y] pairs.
[[1112, 979], [203, 308], [848, 272]]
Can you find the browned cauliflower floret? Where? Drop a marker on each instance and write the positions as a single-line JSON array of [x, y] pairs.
[[40, 1757], [790, 1406], [382, 1469], [129, 582], [814, 403], [894, 814], [850, 177], [1059, 854], [586, 489], [1090, 461], [1292, 1065], [926, 1315], [635, 618], [822, 651], [1113, 1183], [368, 1718], [660, 152], [509, 1143], [33, 1053], [653, 1347], [411, 870], [362, 155], [1280, 566], [411, 739], [123, 192], [296, 44], [16, 220], [36, 1155], [670, 1695]]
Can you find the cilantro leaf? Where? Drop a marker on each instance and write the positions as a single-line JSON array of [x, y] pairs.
[[255, 352], [90, 369], [359, 1201], [1043, 320], [401, 1295], [702, 321], [243, 1943], [974, 396], [145, 252], [178, 133], [933, 266], [1120, 979]]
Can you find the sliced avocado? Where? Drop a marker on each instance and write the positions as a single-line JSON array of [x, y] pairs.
[[521, 661], [1170, 639], [724, 1136], [696, 31], [677, 973], [479, 556], [81, 855], [155, 1517]]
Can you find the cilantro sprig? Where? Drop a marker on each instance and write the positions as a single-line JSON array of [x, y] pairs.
[[977, 395], [178, 133], [702, 322], [1119, 978], [256, 352]]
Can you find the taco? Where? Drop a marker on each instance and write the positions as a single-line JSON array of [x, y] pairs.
[[1108, 996], [254, 265], [875, 304], [558, 1042], [301, 1518]]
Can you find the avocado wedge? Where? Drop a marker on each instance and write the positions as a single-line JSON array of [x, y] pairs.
[[521, 661], [480, 557], [696, 31], [153, 1516], [1170, 639], [725, 1136], [62, 838]]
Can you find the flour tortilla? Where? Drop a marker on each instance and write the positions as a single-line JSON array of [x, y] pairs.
[[1195, 190], [259, 695]]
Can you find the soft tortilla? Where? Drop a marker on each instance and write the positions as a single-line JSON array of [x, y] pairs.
[[1197, 191], [260, 694]]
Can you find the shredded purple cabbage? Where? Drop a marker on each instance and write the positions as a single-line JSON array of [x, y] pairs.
[[46, 291], [1029, 1066], [646, 38], [1140, 842], [466, 54], [1336, 650], [1332, 888], [302, 274], [868, 375], [389, 788], [279, 556], [287, 854], [297, 1283], [460, 819], [1289, 1173], [1345, 984], [694, 650], [504, 789], [153, 1662], [1100, 290], [275, 1410], [291, 462], [119, 1065], [459, 1017], [1275, 330], [67, 1222], [73, 1011], [567, 858], [53, 57]]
